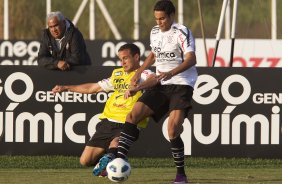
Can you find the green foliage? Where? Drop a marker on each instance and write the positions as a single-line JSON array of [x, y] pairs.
[[27, 17]]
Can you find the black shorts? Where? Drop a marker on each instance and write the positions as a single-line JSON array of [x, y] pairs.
[[106, 131], [164, 98]]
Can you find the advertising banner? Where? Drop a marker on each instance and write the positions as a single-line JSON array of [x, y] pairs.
[[236, 113], [247, 52]]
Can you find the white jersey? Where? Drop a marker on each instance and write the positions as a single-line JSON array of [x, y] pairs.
[[169, 48], [107, 85]]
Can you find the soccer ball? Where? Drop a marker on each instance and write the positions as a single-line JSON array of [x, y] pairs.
[[118, 170]]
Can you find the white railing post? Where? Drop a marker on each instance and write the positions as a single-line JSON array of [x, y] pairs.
[[79, 12], [92, 20], [274, 19], [227, 21], [48, 9], [109, 19], [180, 12], [6, 20], [136, 20]]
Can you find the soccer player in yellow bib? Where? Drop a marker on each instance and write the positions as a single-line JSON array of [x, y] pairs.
[[102, 146]]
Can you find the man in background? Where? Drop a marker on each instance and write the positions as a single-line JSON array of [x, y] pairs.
[[62, 45]]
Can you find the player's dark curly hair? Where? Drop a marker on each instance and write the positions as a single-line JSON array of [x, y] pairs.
[[132, 47], [166, 6]]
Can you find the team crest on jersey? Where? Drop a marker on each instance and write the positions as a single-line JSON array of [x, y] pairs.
[[174, 28], [118, 73], [170, 39], [155, 30]]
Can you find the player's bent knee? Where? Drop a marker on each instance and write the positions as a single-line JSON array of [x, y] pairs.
[[131, 119], [84, 162]]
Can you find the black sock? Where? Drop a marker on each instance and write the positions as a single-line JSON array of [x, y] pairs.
[[177, 150], [112, 152], [128, 135]]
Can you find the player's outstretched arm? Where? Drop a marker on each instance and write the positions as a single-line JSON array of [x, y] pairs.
[[151, 81], [81, 88], [149, 61]]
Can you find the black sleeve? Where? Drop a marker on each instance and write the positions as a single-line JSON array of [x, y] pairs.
[[78, 54], [45, 58]]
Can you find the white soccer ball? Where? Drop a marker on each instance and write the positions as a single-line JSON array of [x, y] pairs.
[[118, 170]]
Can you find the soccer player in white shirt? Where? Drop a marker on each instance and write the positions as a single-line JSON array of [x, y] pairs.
[[173, 52]]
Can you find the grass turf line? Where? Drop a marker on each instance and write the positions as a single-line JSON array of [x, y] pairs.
[[71, 162]]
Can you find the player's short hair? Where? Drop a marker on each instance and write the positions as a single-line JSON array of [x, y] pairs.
[[57, 14], [166, 6], [134, 49]]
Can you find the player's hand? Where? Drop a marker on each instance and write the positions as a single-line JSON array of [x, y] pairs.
[[135, 79], [58, 89], [164, 75], [127, 94], [130, 92], [63, 65]]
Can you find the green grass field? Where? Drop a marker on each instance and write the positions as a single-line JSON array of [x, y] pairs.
[[66, 170]]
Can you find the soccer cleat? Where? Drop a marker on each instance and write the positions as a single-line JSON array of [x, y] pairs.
[[180, 179], [102, 164], [103, 173]]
